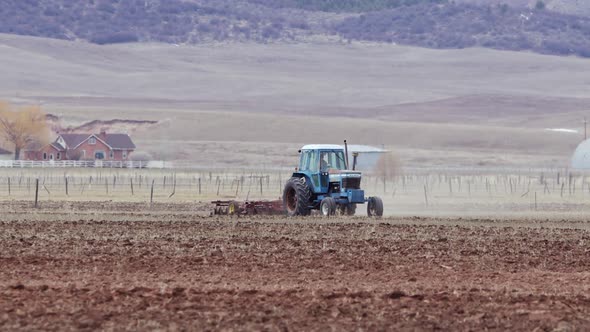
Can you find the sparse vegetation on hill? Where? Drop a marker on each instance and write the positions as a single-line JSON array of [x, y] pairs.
[[427, 23], [170, 21], [343, 5], [460, 26]]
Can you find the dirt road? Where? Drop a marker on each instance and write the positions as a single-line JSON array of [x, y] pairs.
[[125, 267]]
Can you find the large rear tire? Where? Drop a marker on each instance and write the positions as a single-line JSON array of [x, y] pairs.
[[296, 197], [375, 207]]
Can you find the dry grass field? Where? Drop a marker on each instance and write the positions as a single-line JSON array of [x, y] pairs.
[[258, 103], [479, 193]]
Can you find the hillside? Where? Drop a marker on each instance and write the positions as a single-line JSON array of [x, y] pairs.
[[234, 102], [571, 7], [466, 25], [425, 23]]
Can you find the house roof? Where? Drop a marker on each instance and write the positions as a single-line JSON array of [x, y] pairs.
[[33, 146], [120, 141], [115, 141], [57, 146], [73, 140], [2, 151]]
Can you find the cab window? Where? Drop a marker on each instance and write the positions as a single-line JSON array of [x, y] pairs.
[[332, 160], [314, 163], [304, 164], [309, 161]]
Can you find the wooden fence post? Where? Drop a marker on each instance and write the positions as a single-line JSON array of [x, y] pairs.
[[36, 192], [562, 186], [173, 187], [174, 184], [450, 186], [152, 193]]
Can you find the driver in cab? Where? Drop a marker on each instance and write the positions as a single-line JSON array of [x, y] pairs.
[[324, 165]]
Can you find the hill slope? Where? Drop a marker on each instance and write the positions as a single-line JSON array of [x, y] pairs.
[[247, 103], [426, 23], [328, 78], [571, 7]]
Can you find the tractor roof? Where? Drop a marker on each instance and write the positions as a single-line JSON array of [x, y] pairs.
[[322, 147]]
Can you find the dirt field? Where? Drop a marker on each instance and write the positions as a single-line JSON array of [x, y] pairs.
[[69, 266], [469, 128]]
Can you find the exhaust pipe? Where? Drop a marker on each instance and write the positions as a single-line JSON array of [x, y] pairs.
[[346, 153], [354, 156]]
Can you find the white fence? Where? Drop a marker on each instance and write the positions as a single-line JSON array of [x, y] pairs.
[[82, 164]]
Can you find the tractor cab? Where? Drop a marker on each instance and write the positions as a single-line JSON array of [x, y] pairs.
[[323, 181], [320, 162]]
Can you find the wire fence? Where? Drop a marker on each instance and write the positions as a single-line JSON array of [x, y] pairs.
[[416, 192], [80, 164]]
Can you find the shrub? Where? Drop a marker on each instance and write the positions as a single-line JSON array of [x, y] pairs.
[[270, 32], [204, 28], [558, 47], [114, 38], [106, 7]]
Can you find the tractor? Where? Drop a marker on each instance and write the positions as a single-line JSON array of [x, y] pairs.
[[324, 182]]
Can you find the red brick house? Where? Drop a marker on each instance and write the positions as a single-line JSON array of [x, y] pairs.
[[103, 146]]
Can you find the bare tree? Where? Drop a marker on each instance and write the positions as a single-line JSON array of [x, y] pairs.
[[387, 166], [23, 127]]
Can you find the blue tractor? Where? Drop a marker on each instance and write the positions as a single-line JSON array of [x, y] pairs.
[[323, 181]]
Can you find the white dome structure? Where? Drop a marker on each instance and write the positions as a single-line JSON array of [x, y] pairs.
[[581, 157]]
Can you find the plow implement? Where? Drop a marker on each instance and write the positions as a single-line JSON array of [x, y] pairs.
[[248, 208]]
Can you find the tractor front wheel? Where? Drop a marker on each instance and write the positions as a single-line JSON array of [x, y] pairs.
[[375, 207], [296, 197], [328, 207]]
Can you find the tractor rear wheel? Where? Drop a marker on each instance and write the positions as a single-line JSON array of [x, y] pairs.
[[328, 207], [348, 209], [296, 197], [375, 207]]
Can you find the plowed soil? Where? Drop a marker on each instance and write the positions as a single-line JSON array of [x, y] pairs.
[[173, 267]]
